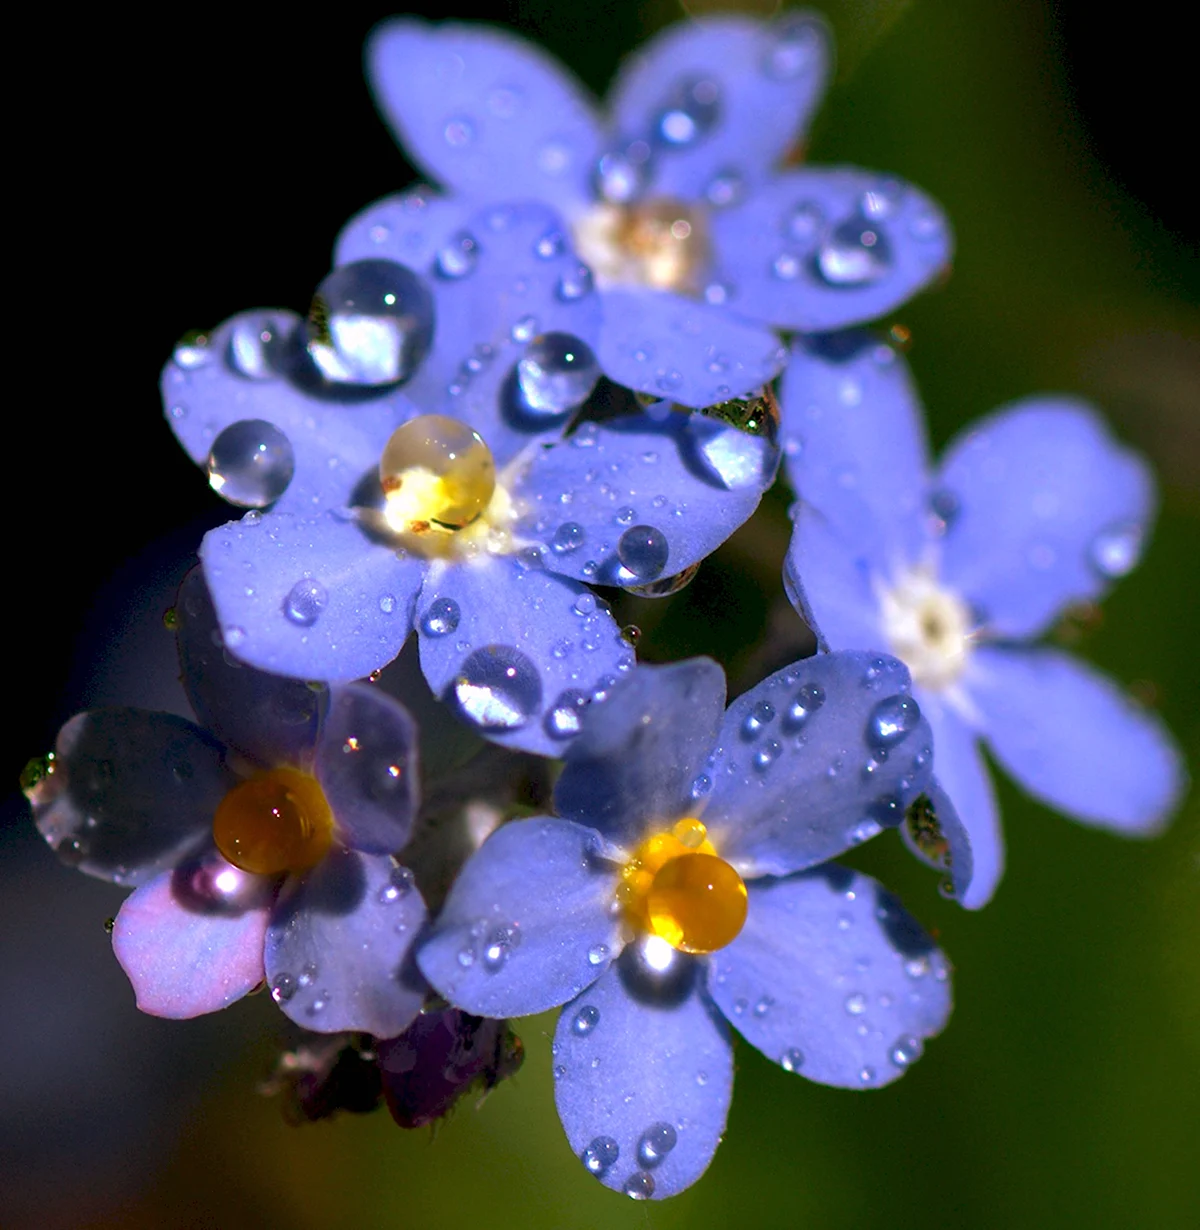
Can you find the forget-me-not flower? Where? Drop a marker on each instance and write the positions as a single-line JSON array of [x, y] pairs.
[[259, 842], [684, 889], [699, 237], [958, 570]]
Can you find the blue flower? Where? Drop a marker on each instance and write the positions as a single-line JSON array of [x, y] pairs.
[[307, 793], [958, 570], [698, 243], [486, 556], [684, 889]]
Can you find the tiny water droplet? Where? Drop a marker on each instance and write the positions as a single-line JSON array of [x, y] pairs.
[[585, 1020], [305, 602], [792, 1060], [1116, 550]]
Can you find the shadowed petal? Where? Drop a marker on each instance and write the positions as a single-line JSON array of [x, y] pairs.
[[130, 792], [187, 952], [819, 757], [311, 598], [825, 247], [939, 838], [528, 924], [637, 500], [693, 353], [831, 978], [269, 719], [759, 83], [516, 650], [366, 762], [1073, 739], [408, 228], [337, 949], [643, 1077], [639, 753], [480, 109], [1049, 510]]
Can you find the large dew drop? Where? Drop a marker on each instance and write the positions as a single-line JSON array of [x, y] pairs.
[[370, 324], [435, 469], [643, 552], [251, 463], [498, 688], [892, 721], [257, 344], [556, 374], [855, 253]]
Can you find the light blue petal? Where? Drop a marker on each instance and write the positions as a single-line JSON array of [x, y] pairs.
[[1050, 510], [643, 1078], [1073, 739], [267, 718], [831, 978], [333, 442], [854, 443], [825, 247], [510, 292], [131, 792], [529, 922], [964, 778], [338, 946], [311, 598], [693, 353], [640, 753], [409, 228], [517, 650], [762, 81], [819, 757], [366, 762], [638, 500], [480, 109]]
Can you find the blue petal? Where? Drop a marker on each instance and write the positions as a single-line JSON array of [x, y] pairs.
[[312, 598], [826, 247], [831, 978], [641, 493], [186, 956], [639, 756], [1050, 510], [130, 792], [267, 718], [643, 1077], [965, 780], [477, 108], [948, 845], [366, 764], [1073, 739], [337, 951], [517, 650], [408, 228], [819, 757], [333, 442], [528, 924], [693, 353], [768, 78], [510, 295], [854, 442]]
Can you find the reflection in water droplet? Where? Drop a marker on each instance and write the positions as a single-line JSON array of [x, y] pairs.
[[656, 1142], [601, 1154], [441, 618], [643, 551], [575, 284], [585, 1020], [907, 1050], [283, 988], [498, 688], [256, 344], [556, 374], [855, 253], [892, 721], [563, 719], [568, 537], [597, 953], [804, 704], [251, 463], [305, 602]]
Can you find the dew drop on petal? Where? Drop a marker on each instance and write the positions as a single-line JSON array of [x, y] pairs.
[[639, 1186], [855, 253], [567, 538], [574, 284], [656, 1142], [906, 1051], [251, 463], [643, 551], [556, 373], [256, 345], [795, 49], [585, 1020], [441, 618], [597, 953], [305, 602], [1116, 550], [690, 111], [892, 720], [600, 1154], [498, 688], [563, 719], [457, 257], [792, 1060]]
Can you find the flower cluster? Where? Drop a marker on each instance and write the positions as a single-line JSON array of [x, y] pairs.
[[575, 367]]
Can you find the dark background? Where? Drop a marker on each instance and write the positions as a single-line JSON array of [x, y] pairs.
[[201, 162]]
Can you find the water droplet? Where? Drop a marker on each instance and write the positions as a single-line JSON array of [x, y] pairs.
[[466, 957], [665, 586], [370, 324], [892, 721], [305, 602], [556, 373], [804, 704], [724, 189], [856, 1004], [792, 1060], [251, 463], [855, 253], [283, 988], [763, 1006], [553, 243], [639, 1186], [656, 1142], [457, 257], [498, 948], [689, 112], [585, 604], [256, 345], [597, 953], [192, 351], [387, 603], [786, 267], [758, 717], [575, 284], [567, 538], [563, 719], [622, 175], [766, 755], [400, 884], [459, 131], [1116, 550], [907, 1050], [498, 688], [643, 551], [308, 975], [233, 635], [864, 830], [796, 49], [601, 1154], [441, 618], [586, 1020], [866, 1075], [701, 786]]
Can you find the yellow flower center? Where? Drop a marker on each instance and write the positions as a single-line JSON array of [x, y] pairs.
[[676, 887], [277, 821], [927, 627], [658, 242]]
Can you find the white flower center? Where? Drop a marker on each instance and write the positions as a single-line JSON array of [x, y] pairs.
[[928, 627], [658, 242]]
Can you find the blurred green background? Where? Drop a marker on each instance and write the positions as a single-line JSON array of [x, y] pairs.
[[210, 173]]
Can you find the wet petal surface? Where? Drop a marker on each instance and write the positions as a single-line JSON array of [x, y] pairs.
[[529, 922], [831, 978], [819, 757], [643, 1077], [409, 228], [337, 949]]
